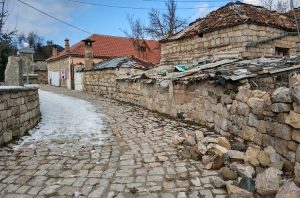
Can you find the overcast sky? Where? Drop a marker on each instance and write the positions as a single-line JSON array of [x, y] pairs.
[[94, 19]]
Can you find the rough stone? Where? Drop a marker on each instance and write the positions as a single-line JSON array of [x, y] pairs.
[[177, 140], [242, 109], [244, 94], [223, 141], [218, 182], [281, 107], [288, 190], [297, 173], [14, 71], [199, 135], [238, 146], [217, 163], [282, 94], [282, 131], [189, 141], [217, 149], [256, 105], [293, 119], [251, 155], [268, 182], [296, 107], [202, 148], [237, 155], [263, 158], [228, 174], [248, 184], [248, 133], [274, 157], [243, 170], [295, 92], [236, 192]]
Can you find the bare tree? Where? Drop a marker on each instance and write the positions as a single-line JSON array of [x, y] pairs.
[[137, 31], [165, 24], [278, 5]]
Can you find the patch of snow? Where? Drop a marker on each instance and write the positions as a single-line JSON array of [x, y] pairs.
[[66, 122], [11, 87]]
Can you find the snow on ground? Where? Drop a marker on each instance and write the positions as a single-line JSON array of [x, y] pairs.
[[66, 122]]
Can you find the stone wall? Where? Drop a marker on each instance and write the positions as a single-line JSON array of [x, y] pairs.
[[42, 76], [256, 116], [19, 112], [225, 42]]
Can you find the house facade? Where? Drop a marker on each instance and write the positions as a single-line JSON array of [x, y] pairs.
[[237, 30], [93, 50]]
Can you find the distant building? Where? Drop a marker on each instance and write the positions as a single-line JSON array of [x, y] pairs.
[[237, 30], [96, 49]]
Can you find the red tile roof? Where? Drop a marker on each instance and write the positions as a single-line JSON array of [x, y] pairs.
[[112, 46], [233, 14]]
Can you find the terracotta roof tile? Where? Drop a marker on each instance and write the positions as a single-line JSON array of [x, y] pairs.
[[112, 46], [233, 14]]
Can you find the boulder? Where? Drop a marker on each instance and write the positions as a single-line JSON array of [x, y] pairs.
[[263, 158], [251, 155], [201, 148], [297, 173], [248, 184], [243, 170], [274, 157], [223, 141], [281, 94], [288, 190], [199, 135], [228, 174], [236, 192], [295, 92], [281, 107], [293, 119], [268, 182], [237, 155]]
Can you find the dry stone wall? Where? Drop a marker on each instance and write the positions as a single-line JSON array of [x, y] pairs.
[[19, 112], [227, 42], [256, 116]]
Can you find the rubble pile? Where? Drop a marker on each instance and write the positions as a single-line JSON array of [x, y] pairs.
[[245, 171]]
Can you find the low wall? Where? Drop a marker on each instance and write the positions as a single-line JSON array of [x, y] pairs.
[[42, 76], [19, 112], [256, 116]]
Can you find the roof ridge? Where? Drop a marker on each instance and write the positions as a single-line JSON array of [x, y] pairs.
[[113, 36]]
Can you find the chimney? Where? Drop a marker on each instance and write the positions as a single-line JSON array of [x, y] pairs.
[[88, 54], [54, 50], [67, 45]]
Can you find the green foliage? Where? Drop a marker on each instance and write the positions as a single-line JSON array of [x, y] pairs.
[[7, 48]]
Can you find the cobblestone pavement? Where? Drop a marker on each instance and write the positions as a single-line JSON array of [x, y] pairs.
[[138, 160]]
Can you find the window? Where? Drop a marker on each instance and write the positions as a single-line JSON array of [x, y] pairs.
[[282, 51], [142, 48]]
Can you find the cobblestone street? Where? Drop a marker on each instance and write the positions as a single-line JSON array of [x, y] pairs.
[[134, 157]]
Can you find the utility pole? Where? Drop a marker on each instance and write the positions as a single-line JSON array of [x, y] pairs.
[[2, 15], [296, 20]]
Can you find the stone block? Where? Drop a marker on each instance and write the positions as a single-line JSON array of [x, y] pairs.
[[282, 131], [281, 107], [248, 133], [293, 119], [7, 136], [282, 95]]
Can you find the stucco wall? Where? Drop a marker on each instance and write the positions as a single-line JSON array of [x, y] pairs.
[[225, 42], [232, 110], [19, 112]]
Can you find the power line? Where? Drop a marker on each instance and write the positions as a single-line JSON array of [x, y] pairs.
[[191, 1], [136, 8], [53, 17]]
